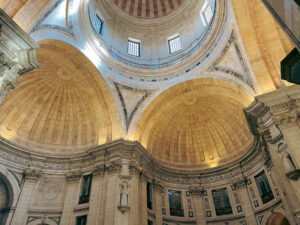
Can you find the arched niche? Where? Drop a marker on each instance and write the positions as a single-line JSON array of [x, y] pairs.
[[6, 199], [46, 221], [277, 219]]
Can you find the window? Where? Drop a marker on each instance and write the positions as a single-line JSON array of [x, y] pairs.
[[134, 47], [149, 195], [222, 202], [81, 220], [264, 188], [150, 222], [98, 25], [86, 189], [175, 203], [206, 14], [174, 44]]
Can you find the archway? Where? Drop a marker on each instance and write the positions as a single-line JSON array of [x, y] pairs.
[[5, 199], [277, 219]]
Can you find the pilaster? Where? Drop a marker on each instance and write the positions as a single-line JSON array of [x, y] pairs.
[[31, 177], [198, 205], [95, 199], [71, 198]]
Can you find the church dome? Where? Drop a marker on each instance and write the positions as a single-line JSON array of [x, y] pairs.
[[150, 9], [197, 124], [62, 107], [168, 35]]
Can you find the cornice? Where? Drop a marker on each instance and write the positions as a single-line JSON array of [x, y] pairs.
[[107, 159]]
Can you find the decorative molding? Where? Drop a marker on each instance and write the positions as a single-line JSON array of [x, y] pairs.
[[32, 175], [74, 177], [260, 219], [140, 163], [70, 27], [129, 113], [239, 69]]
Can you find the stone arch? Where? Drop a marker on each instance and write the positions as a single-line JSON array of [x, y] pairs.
[[178, 141], [6, 198], [64, 80], [43, 221], [277, 218]]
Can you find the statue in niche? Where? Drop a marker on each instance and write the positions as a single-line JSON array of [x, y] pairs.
[[286, 158], [124, 198]]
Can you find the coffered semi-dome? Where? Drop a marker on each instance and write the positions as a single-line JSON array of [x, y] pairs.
[[198, 123], [63, 106]]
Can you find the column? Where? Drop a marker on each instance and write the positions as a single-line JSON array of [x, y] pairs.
[[95, 198], [26, 196], [157, 203], [198, 207], [71, 198], [291, 133]]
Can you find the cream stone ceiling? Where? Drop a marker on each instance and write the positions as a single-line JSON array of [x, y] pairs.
[[65, 106], [148, 9], [196, 123], [25, 12], [266, 44], [62, 106]]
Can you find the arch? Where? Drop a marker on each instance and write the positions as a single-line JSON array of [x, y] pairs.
[[6, 199], [44, 221], [277, 218], [189, 124], [265, 42], [73, 106], [196, 75], [24, 12]]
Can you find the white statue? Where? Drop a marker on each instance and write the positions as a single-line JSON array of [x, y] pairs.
[[286, 157], [123, 194], [8, 80]]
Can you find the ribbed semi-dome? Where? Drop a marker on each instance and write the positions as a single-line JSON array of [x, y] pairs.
[[62, 106], [196, 123], [147, 9]]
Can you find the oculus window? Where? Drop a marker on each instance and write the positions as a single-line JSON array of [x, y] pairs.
[[98, 25], [222, 202], [134, 47], [206, 13], [264, 187], [174, 44], [175, 203]]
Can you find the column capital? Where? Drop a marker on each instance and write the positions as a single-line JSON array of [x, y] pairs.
[[73, 176], [32, 175], [241, 183], [198, 191]]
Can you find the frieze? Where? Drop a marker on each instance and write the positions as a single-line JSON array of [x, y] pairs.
[[108, 158]]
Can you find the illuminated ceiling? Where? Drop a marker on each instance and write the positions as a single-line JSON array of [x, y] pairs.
[[63, 106], [196, 123], [66, 105], [148, 9]]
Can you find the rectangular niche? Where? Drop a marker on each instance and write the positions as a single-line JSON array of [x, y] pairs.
[[222, 202], [264, 187], [175, 203]]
